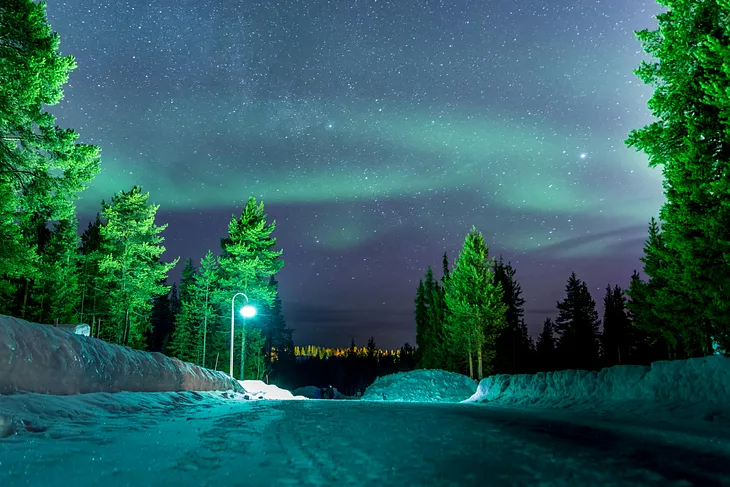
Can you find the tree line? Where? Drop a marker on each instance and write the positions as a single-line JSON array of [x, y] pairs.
[[478, 310], [681, 309], [112, 276], [308, 351]]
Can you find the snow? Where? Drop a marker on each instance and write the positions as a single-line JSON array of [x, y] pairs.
[[314, 392], [421, 386], [690, 390], [258, 389], [50, 360]]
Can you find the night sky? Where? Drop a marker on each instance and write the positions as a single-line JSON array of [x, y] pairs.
[[376, 133]]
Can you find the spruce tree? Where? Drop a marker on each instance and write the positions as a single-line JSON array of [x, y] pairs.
[[130, 264], [545, 347], [577, 327], [514, 345], [248, 260], [691, 143], [476, 312], [617, 342]]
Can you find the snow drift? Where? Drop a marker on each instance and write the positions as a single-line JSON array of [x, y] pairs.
[[694, 384], [49, 360], [421, 386], [258, 389]]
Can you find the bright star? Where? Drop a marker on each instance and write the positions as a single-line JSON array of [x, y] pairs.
[[583, 156]]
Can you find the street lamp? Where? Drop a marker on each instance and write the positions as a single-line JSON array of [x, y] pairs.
[[247, 311]]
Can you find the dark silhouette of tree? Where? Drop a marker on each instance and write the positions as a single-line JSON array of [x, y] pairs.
[[577, 327], [617, 341], [545, 347], [514, 347]]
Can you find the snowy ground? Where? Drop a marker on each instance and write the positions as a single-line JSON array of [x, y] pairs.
[[421, 386], [667, 425], [215, 438]]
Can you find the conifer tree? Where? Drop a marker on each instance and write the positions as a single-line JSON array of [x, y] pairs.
[[130, 265], [616, 339], [690, 141], [545, 347], [476, 312], [514, 345], [248, 260], [42, 168], [577, 327], [94, 291], [61, 276]]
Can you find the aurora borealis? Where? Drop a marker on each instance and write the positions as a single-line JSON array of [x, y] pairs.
[[376, 132]]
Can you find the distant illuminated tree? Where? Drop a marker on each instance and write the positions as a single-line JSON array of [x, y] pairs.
[[476, 312]]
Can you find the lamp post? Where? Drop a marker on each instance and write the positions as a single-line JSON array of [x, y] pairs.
[[247, 312]]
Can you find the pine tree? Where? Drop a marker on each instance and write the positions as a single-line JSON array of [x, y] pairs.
[[476, 312], [161, 321], [577, 327], [130, 265], [545, 347], [17, 258], [690, 141], [42, 168], [248, 260], [617, 342], [206, 285], [94, 291], [61, 276], [514, 345]]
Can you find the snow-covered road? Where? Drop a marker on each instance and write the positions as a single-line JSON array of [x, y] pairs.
[[192, 439]]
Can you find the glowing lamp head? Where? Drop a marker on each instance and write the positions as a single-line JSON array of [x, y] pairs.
[[248, 311]]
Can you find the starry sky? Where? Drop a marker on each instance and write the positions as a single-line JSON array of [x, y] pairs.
[[376, 132]]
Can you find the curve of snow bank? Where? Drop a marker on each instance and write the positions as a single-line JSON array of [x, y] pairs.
[[422, 385], [258, 389], [700, 381], [48, 360]]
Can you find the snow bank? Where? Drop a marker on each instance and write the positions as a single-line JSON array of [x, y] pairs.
[[49, 360], [421, 386], [258, 389], [699, 384]]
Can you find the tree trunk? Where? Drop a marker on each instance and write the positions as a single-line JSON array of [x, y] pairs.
[[25, 298], [471, 366], [125, 330], [479, 359], [205, 324]]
